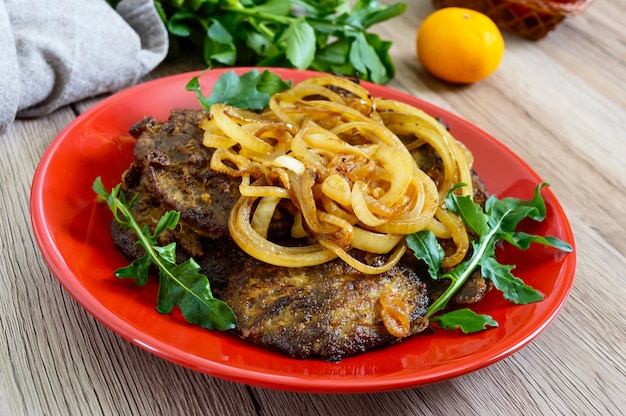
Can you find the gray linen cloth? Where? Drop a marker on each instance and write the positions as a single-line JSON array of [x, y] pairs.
[[53, 53]]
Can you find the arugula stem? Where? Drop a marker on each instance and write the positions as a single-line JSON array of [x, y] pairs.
[[458, 279], [147, 245]]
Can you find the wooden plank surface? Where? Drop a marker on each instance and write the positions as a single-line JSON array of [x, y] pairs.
[[559, 103]]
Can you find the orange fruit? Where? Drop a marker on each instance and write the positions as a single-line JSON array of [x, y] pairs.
[[459, 45]]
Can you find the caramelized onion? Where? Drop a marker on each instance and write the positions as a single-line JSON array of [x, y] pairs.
[[396, 315], [335, 154], [260, 248]]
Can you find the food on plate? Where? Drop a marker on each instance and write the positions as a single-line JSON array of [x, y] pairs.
[[300, 215], [330, 310]]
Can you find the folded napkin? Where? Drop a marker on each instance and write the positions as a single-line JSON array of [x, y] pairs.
[[58, 52]]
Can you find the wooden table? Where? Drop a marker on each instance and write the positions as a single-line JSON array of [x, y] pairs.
[[559, 103]]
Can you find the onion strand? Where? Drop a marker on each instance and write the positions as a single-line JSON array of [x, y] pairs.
[[337, 158]]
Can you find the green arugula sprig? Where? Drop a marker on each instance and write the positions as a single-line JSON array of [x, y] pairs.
[[249, 91], [328, 35], [498, 222], [179, 284]]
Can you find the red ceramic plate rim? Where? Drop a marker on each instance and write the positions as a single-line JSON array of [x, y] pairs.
[[72, 233]]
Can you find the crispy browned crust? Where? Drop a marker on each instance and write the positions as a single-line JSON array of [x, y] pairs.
[[330, 311], [177, 171]]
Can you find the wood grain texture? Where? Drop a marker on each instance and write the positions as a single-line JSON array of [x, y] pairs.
[[559, 103]]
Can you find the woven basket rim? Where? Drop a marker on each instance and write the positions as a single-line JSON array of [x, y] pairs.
[[533, 20], [555, 7]]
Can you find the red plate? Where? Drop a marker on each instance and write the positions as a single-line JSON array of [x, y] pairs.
[[72, 233]]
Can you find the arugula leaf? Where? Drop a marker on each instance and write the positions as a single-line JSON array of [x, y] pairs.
[[251, 90], [513, 288], [296, 34], [179, 284], [465, 319], [498, 222], [426, 248]]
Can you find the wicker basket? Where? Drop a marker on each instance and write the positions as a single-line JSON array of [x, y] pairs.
[[531, 19]]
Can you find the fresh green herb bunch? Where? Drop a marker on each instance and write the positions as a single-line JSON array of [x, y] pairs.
[[326, 35]]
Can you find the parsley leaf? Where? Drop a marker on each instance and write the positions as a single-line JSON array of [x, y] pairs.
[[299, 40], [179, 284], [251, 90], [498, 222]]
